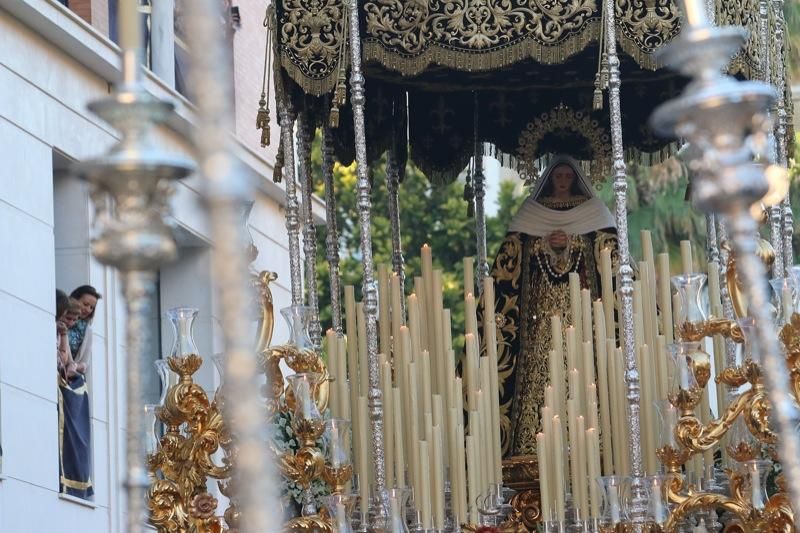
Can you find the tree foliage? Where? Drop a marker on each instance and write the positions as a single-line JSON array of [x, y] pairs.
[[433, 215]]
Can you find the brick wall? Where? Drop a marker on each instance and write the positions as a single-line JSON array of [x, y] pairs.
[[95, 12]]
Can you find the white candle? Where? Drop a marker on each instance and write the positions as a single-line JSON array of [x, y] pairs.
[[607, 291], [397, 315], [686, 255], [545, 489], [421, 294], [665, 298], [341, 375], [333, 370], [384, 319], [388, 417], [438, 478], [362, 350], [575, 301], [399, 444], [594, 472], [414, 326], [586, 315], [470, 315], [559, 481], [469, 276], [424, 501], [364, 460]]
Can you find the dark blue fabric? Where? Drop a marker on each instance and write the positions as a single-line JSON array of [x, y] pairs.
[[75, 439]]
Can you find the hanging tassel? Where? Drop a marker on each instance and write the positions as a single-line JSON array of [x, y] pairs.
[[604, 72], [597, 101], [469, 194], [333, 117], [262, 121], [262, 117], [277, 171], [340, 92]]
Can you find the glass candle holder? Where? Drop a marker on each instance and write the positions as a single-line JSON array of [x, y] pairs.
[[657, 498], [298, 317], [667, 417], [396, 500], [337, 434], [690, 289], [740, 443], [746, 353], [784, 293], [167, 376], [340, 508], [682, 383], [614, 494], [182, 321], [151, 429], [303, 386], [757, 472]]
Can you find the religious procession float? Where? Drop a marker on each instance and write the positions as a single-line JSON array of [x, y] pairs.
[[587, 389]]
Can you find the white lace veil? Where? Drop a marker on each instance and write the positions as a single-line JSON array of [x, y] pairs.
[[537, 220]]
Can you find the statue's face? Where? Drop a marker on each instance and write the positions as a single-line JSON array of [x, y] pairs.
[[563, 177]]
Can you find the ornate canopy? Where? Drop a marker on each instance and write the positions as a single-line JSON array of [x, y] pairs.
[[443, 74]]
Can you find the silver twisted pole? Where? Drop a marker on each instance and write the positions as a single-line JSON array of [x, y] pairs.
[[776, 211], [286, 121], [780, 132], [393, 188], [135, 173], [226, 191], [638, 492], [306, 178], [479, 183], [332, 237], [369, 290]]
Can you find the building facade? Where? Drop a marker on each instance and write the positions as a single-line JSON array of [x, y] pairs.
[[55, 58]]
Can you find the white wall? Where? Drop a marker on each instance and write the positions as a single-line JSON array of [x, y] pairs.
[[43, 97]]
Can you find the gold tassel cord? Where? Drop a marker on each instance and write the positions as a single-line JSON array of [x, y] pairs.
[[340, 92], [262, 117]]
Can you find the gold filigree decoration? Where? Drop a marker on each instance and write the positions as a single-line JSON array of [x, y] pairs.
[[562, 118], [310, 39], [647, 25], [178, 499], [745, 13], [469, 35]]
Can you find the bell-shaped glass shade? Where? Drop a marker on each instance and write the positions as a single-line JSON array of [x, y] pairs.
[[757, 472], [298, 317], [657, 498], [397, 500], [167, 376], [680, 373], [182, 320], [784, 293], [303, 386], [690, 289], [614, 494], [340, 509], [337, 433]]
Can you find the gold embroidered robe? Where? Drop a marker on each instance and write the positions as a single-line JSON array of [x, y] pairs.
[[531, 285]]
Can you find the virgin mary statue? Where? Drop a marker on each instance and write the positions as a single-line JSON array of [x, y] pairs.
[[559, 229]]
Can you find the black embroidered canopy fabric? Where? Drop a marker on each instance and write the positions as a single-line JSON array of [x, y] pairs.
[[522, 58]]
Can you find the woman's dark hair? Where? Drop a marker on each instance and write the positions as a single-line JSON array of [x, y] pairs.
[[575, 190], [86, 289], [62, 303]]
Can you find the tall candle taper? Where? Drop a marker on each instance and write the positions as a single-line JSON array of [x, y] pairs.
[[607, 291]]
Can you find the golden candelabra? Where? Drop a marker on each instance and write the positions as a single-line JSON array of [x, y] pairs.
[[195, 433]]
